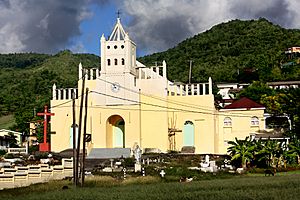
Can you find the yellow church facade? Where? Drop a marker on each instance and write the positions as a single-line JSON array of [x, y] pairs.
[[130, 104]]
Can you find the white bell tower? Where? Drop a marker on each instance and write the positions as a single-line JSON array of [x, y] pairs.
[[118, 68], [118, 53]]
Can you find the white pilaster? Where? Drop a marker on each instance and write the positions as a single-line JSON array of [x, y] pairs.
[[164, 64], [70, 93], [54, 92], [140, 73], [80, 71], [58, 94], [180, 90], [210, 85], [157, 72], [97, 73], [192, 89], [186, 90]]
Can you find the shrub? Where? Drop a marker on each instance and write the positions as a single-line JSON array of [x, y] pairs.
[[128, 162], [9, 156], [33, 149], [2, 152]]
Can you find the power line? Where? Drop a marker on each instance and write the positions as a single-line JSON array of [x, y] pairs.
[[168, 109], [172, 101], [161, 99], [171, 108]]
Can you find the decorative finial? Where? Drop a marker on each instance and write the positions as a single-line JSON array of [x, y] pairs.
[[102, 37], [118, 14]]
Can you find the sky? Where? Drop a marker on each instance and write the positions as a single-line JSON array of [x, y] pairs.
[[49, 26]]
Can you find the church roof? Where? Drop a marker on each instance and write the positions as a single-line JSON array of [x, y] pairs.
[[118, 32], [244, 103]]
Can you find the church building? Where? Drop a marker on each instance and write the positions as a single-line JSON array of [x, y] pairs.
[[132, 104]]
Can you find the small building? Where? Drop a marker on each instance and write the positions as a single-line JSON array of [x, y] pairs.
[[5, 138], [240, 119], [292, 50]]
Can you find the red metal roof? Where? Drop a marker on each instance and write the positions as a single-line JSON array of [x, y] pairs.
[[244, 102]]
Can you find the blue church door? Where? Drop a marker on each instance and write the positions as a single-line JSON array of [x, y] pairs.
[[119, 134], [188, 134]]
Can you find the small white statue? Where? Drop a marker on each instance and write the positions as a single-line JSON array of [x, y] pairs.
[[137, 154]]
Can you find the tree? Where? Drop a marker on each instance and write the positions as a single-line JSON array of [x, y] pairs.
[[12, 141], [241, 150], [271, 151], [291, 106], [256, 90], [294, 149], [274, 103]]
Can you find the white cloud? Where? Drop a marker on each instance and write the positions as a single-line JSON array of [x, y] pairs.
[[40, 26], [156, 25], [160, 24]]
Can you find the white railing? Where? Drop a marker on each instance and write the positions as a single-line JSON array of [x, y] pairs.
[[64, 94], [17, 150], [190, 89]]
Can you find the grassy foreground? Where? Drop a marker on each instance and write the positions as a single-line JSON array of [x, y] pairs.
[[238, 187]]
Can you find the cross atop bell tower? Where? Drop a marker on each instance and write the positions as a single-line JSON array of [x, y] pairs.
[[118, 13]]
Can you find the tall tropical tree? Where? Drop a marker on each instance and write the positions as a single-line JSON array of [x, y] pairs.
[[271, 151], [242, 149], [294, 149]]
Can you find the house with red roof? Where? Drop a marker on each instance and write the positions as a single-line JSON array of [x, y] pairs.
[[244, 117]]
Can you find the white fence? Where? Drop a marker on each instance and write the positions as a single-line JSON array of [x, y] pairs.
[[26, 175], [17, 150]]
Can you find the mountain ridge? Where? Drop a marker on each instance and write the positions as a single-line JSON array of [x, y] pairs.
[[235, 51]]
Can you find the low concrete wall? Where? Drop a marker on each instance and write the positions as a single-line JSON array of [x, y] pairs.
[[26, 175]]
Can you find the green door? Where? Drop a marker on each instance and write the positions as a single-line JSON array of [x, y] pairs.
[[119, 134], [188, 134]]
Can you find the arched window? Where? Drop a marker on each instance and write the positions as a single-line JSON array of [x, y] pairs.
[[123, 61], [116, 61], [227, 121], [254, 121], [108, 62], [188, 133]]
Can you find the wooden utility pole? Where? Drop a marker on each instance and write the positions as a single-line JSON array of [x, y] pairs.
[[74, 139], [80, 124], [84, 137]]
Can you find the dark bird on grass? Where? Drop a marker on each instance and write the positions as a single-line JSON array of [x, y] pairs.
[[65, 187]]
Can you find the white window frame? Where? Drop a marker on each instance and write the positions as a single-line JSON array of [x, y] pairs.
[[254, 121], [227, 122]]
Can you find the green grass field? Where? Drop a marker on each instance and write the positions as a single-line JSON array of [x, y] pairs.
[[6, 121], [237, 187]]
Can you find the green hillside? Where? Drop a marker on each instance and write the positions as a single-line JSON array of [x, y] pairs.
[[237, 51], [26, 81]]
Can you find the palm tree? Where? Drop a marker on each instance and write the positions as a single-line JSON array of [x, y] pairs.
[[270, 151], [294, 149], [241, 149]]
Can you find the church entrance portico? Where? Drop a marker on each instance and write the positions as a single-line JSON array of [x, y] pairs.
[[115, 132]]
